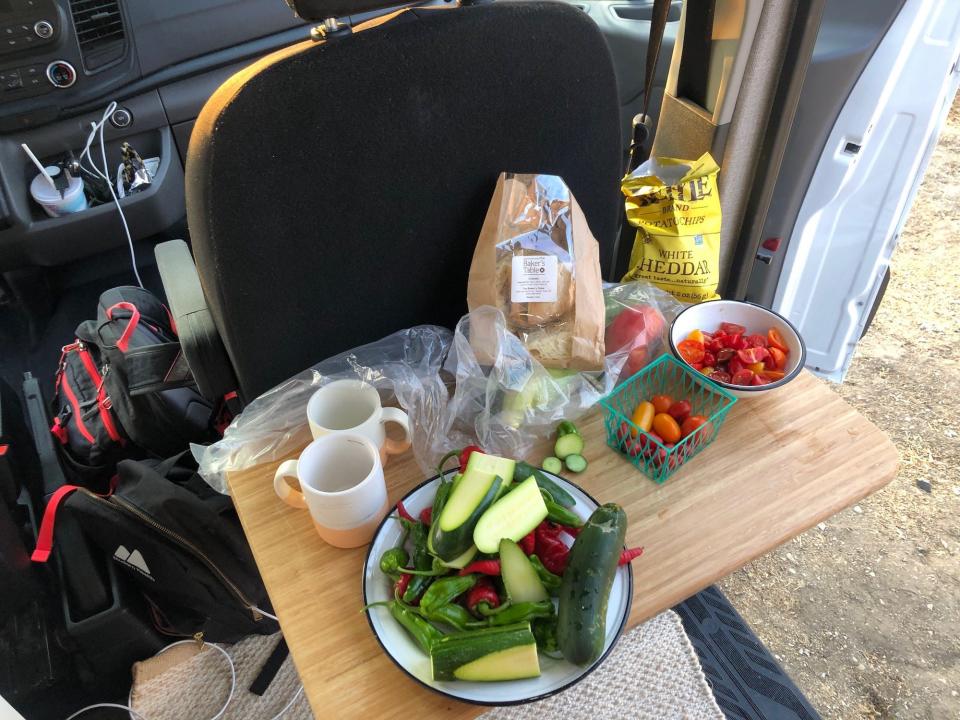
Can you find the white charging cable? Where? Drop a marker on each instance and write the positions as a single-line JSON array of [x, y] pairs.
[[134, 715], [97, 127]]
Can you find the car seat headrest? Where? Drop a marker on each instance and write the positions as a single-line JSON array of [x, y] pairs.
[[315, 10]]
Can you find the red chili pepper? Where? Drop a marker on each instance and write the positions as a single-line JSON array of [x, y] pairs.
[[551, 550], [466, 453], [402, 512], [483, 591], [528, 542], [485, 567], [629, 554], [426, 515], [401, 585]]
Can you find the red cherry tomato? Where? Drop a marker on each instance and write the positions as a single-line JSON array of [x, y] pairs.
[[732, 328], [661, 403], [742, 377], [756, 341], [692, 423], [775, 339], [721, 376], [680, 410], [691, 351], [751, 355]]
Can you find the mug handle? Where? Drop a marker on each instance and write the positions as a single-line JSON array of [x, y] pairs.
[[293, 498], [391, 414]]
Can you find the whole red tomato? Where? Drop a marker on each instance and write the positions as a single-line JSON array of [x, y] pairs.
[[634, 326]]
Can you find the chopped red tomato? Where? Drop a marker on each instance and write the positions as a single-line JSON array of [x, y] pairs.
[[751, 355], [759, 380], [778, 356], [742, 377], [732, 328], [691, 351], [756, 341], [720, 376], [775, 339], [709, 359], [734, 366], [773, 375]]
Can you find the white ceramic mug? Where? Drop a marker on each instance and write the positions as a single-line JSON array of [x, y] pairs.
[[353, 406], [341, 484]]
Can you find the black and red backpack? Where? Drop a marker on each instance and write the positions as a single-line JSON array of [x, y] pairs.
[[124, 390]]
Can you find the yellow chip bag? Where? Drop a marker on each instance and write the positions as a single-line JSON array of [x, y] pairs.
[[675, 206]]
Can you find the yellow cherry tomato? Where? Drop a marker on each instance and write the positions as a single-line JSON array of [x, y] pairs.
[[757, 367], [696, 336], [666, 427], [643, 417]]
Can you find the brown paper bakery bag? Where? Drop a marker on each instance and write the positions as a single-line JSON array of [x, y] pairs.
[[537, 261]]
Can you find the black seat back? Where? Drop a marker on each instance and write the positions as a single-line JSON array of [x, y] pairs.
[[335, 190]]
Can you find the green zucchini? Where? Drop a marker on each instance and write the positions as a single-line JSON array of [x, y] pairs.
[[489, 654], [571, 444], [585, 589], [461, 561], [552, 464], [560, 496], [452, 533], [491, 465], [512, 516], [519, 576], [575, 463]]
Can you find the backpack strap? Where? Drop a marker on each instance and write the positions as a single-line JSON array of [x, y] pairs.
[[124, 342], [45, 537], [41, 553]]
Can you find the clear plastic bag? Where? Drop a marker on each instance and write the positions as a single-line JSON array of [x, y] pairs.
[[504, 399], [405, 367]]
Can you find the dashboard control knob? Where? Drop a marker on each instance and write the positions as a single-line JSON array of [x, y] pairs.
[[61, 74], [121, 118], [43, 29]]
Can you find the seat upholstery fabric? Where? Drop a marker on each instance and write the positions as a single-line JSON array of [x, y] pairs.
[[335, 190]]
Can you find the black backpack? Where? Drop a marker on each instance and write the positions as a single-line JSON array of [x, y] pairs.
[[123, 388], [180, 542]]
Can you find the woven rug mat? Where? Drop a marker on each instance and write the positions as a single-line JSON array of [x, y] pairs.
[[653, 672]]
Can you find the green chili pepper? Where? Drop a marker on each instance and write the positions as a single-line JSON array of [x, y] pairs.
[[445, 590], [558, 514], [545, 632], [422, 631], [392, 560], [451, 614], [551, 581], [440, 499], [521, 612], [422, 561]]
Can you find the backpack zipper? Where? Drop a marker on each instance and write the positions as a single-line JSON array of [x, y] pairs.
[[182, 542]]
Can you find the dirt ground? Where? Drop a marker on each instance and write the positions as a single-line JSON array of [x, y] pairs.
[[864, 610]]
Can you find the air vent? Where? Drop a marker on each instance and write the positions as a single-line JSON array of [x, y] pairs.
[[99, 28]]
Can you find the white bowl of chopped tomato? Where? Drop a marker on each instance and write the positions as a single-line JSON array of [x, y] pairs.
[[745, 348]]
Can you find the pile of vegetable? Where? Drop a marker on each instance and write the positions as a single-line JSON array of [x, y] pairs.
[[731, 356], [665, 420], [491, 581]]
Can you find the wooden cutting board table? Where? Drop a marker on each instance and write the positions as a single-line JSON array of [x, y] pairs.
[[780, 465]]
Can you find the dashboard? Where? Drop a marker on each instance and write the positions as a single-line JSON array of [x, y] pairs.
[[63, 61]]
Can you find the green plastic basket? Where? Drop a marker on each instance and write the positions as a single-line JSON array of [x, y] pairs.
[[664, 376]]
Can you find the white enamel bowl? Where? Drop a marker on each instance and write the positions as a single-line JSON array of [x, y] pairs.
[[556, 674], [707, 317]]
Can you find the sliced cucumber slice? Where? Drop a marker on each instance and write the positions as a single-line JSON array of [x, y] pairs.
[[571, 444], [552, 465], [575, 463]]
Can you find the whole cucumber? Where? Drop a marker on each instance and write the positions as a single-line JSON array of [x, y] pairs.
[[585, 588]]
